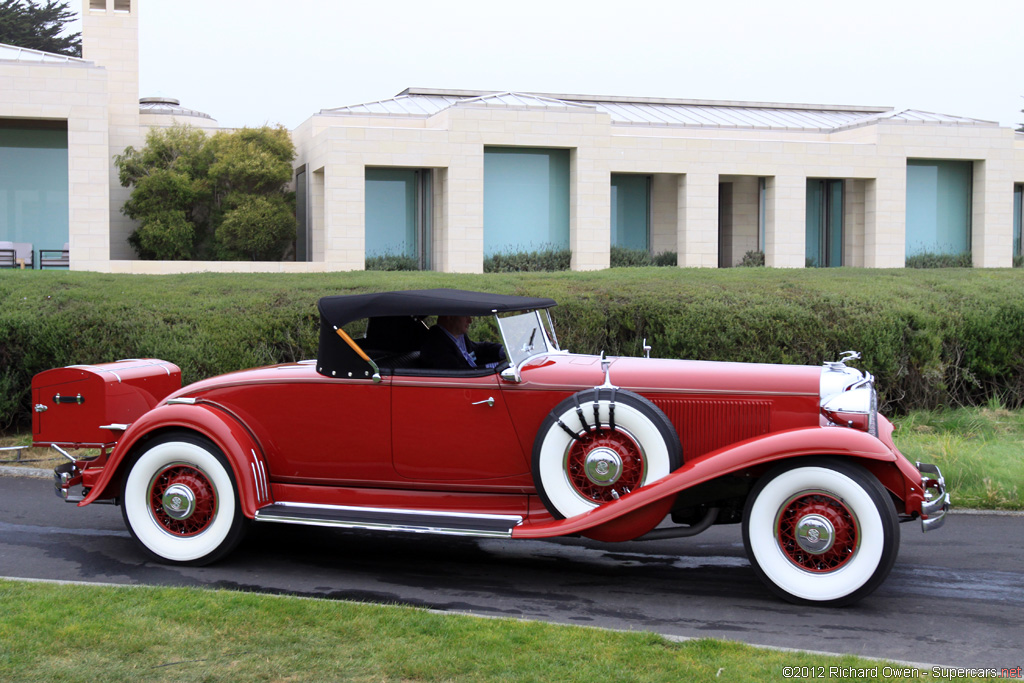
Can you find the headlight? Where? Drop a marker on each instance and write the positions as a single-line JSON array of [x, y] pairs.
[[848, 397]]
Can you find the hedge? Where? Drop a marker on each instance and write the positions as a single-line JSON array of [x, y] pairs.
[[932, 338]]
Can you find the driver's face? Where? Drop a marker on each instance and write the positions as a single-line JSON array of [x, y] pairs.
[[462, 323], [456, 324]]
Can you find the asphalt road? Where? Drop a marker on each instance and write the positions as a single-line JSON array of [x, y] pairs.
[[955, 597]]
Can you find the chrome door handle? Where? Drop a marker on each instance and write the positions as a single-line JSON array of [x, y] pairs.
[[489, 402]]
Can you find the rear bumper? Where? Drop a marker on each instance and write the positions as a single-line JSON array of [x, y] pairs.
[[936, 501], [65, 476]]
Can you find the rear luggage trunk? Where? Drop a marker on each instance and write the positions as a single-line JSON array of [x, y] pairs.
[[88, 406]]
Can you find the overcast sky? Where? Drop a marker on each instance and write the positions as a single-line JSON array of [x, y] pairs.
[[249, 62]]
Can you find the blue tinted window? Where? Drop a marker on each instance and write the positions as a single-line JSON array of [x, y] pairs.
[[1018, 211], [34, 187], [390, 212], [938, 206], [526, 199], [630, 211]]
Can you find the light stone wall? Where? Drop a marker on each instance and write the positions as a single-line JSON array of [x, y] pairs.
[[664, 211], [75, 92], [686, 166], [745, 212], [110, 38], [854, 192]]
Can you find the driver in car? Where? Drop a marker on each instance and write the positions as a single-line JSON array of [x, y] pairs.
[[448, 347]]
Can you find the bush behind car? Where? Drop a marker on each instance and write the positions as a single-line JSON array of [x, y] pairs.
[[932, 338]]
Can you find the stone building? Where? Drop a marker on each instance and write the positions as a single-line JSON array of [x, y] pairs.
[[449, 177]]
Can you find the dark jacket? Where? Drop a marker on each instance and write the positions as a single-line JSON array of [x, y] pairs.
[[440, 352]]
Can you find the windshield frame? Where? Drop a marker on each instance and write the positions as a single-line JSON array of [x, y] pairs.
[[518, 347]]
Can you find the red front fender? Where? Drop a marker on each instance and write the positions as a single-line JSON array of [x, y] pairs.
[[218, 425], [657, 497]]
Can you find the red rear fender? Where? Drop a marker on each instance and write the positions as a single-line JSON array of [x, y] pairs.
[[207, 419]]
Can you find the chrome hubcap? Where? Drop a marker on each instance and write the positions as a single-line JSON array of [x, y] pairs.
[[179, 502], [815, 534], [603, 466]]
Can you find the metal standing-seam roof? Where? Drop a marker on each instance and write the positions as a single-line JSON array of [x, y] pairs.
[[13, 53], [647, 112]]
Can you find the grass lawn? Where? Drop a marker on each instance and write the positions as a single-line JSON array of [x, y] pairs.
[[979, 450], [74, 633]]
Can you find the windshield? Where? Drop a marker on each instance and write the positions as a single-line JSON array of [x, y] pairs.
[[524, 336]]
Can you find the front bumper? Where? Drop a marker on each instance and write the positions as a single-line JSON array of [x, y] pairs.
[[936, 501]]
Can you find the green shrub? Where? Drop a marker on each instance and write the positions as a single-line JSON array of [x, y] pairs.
[[931, 338], [621, 257], [752, 259], [1018, 261], [392, 262], [166, 236], [543, 260], [666, 259], [256, 228], [929, 259]]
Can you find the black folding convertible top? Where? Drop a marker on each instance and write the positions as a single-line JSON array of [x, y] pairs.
[[339, 310], [395, 328]]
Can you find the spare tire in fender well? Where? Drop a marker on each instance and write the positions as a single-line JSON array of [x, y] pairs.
[[598, 445]]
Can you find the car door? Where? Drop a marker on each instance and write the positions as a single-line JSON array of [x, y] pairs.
[[455, 429]]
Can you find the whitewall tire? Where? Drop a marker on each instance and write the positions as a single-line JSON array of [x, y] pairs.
[[180, 502], [821, 532], [599, 445]]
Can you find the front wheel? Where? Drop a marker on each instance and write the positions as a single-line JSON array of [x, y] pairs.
[[180, 502], [822, 532]]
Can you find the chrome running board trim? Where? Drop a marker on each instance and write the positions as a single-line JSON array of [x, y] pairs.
[[387, 519]]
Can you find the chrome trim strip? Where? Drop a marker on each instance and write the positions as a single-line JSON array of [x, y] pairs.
[[438, 531], [256, 480], [182, 401], [448, 530], [260, 477], [404, 511], [115, 427]]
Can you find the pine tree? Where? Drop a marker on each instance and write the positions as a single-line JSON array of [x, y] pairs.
[[39, 27]]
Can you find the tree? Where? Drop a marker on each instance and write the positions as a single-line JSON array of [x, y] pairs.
[[199, 197], [171, 196], [251, 168], [39, 27], [258, 228]]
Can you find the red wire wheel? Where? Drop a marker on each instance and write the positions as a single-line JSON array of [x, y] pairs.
[[605, 464], [182, 500], [817, 532]]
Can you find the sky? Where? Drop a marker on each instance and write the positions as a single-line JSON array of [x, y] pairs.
[[250, 62]]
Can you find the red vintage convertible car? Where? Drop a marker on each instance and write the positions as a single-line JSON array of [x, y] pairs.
[[549, 443]]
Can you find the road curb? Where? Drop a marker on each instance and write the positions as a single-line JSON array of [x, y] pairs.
[[7, 471]]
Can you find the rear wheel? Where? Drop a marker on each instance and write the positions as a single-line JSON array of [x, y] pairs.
[[180, 502], [821, 532]]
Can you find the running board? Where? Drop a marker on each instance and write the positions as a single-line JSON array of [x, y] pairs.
[[385, 519]]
